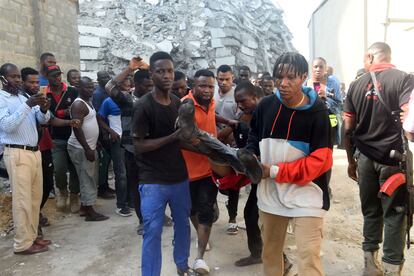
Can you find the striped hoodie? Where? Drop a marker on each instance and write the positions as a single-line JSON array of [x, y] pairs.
[[296, 142]]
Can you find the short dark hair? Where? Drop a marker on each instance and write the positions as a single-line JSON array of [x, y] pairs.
[[45, 55], [267, 78], [84, 79], [140, 75], [295, 62], [4, 69], [321, 59], [70, 72], [159, 56], [244, 67], [203, 73], [178, 75], [246, 86], [224, 69], [26, 71]]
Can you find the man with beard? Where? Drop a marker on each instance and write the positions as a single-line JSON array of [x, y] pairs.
[[19, 115], [61, 96], [202, 188], [82, 149]]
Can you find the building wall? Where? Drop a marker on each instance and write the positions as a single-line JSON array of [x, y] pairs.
[[31, 27], [340, 31]]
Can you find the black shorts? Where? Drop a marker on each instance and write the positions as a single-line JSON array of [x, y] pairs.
[[203, 196]]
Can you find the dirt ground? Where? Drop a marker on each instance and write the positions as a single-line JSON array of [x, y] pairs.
[[113, 248]]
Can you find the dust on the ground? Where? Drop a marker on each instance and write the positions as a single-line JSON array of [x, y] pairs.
[[6, 216], [113, 248]]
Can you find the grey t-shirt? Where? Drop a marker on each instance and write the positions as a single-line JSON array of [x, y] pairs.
[[226, 105]]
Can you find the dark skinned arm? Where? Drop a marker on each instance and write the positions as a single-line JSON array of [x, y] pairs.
[[57, 122], [349, 126], [134, 64], [79, 110], [146, 145], [227, 122], [104, 126], [224, 134]]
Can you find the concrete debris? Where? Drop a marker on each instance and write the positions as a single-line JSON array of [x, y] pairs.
[[234, 32]]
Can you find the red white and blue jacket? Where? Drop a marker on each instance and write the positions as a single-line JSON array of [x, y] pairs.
[[296, 142]]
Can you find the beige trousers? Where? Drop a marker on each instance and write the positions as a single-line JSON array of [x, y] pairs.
[[25, 172], [308, 235]]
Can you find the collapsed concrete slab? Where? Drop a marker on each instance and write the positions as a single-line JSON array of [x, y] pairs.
[[198, 34]]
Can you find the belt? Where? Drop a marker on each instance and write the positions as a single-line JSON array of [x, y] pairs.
[[36, 148]]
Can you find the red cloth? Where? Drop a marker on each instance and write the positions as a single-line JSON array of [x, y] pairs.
[[60, 113], [45, 142], [232, 181]]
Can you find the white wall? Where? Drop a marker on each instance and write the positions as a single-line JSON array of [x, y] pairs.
[[336, 33]]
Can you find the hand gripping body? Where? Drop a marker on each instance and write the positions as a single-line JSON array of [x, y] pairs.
[[199, 141]]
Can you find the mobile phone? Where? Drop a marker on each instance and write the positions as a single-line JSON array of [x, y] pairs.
[[43, 90], [3, 80]]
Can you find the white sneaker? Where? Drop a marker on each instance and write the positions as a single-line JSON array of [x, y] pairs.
[[232, 229], [201, 267]]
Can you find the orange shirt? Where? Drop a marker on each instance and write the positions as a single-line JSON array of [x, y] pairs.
[[198, 166]]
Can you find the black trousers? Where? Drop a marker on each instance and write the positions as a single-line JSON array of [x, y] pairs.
[[132, 181], [251, 217], [47, 169], [232, 203]]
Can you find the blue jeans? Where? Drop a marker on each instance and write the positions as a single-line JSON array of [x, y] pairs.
[[118, 161], [154, 199]]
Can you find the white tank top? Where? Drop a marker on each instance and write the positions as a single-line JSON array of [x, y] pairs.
[[89, 126]]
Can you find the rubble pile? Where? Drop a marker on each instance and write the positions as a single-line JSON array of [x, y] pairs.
[[198, 34]]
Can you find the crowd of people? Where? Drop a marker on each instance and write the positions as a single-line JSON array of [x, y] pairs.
[[63, 136]]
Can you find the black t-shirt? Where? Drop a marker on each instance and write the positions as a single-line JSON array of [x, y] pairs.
[[241, 133], [151, 121], [376, 134]]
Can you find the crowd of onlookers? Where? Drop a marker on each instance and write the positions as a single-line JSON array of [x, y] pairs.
[[63, 136]]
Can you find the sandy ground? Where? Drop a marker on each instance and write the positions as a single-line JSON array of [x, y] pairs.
[[113, 248]]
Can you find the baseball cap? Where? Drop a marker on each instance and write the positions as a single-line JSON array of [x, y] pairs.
[[53, 70]]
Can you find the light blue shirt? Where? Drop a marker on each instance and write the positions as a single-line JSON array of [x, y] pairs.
[[18, 120]]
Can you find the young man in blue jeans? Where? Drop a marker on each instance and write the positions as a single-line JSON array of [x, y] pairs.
[[163, 175]]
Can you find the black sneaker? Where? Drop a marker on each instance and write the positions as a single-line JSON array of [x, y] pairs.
[[188, 272], [167, 221], [123, 212], [106, 195], [140, 229], [251, 260]]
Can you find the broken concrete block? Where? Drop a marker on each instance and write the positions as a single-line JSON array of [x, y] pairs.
[[89, 41], [165, 46], [230, 60], [89, 54], [217, 32], [216, 43], [96, 31]]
